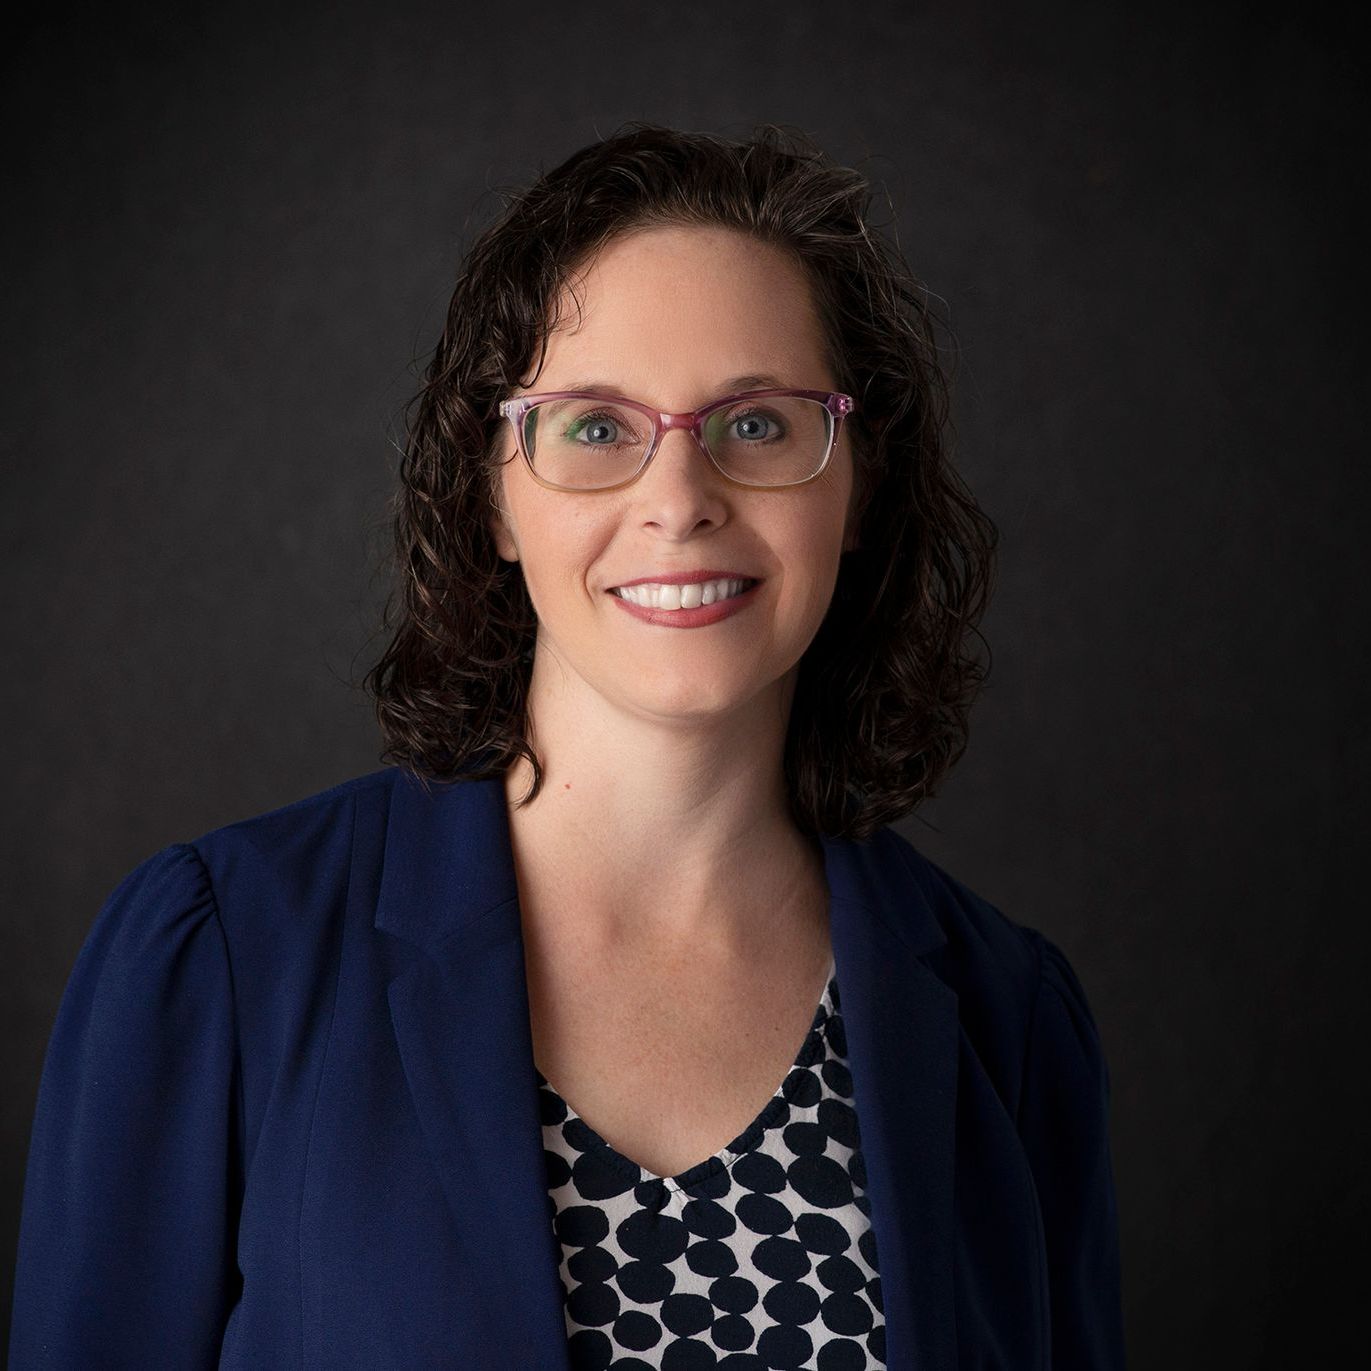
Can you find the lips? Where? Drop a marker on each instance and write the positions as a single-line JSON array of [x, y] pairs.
[[687, 578], [681, 596], [699, 617]]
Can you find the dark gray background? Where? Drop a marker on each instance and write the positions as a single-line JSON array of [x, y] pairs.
[[230, 235]]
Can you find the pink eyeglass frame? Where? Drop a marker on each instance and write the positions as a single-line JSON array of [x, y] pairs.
[[837, 404]]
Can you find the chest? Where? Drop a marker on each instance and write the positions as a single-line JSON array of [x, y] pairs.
[[670, 1066]]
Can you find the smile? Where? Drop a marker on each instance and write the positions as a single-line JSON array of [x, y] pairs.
[[651, 595], [689, 606]]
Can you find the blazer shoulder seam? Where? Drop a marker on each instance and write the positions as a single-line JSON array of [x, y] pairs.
[[194, 850], [319, 1082], [1038, 941]]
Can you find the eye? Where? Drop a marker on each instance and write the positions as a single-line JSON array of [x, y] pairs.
[[597, 428], [756, 426], [600, 428]]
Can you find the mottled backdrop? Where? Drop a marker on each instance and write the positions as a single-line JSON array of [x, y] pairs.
[[230, 233]]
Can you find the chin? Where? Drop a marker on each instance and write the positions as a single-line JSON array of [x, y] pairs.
[[688, 700]]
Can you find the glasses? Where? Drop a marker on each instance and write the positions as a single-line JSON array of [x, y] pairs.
[[575, 440]]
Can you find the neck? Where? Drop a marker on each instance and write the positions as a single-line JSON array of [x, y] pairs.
[[666, 832]]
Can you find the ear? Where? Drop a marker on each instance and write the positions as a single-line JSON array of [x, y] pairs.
[[852, 528], [504, 541], [856, 506], [498, 524]]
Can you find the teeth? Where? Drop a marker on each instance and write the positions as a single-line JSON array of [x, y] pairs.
[[652, 596]]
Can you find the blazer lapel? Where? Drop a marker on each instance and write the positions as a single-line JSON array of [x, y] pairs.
[[903, 1048], [461, 1021], [462, 1025]]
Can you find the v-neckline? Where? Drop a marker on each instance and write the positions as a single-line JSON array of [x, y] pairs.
[[811, 1050]]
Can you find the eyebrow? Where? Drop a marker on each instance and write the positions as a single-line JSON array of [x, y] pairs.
[[760, 380]]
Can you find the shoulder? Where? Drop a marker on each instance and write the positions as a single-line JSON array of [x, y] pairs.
[[1009, 976], [271, 882], [292, 831], [282, 879], [982, 941], [296, 853]]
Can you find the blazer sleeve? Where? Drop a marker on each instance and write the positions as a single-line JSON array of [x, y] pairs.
[[126, 1242], [1064, 1124]]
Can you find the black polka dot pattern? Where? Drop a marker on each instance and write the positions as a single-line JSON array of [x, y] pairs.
[[761, 1256]]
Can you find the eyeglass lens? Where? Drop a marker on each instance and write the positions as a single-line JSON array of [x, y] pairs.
[[587, 443]]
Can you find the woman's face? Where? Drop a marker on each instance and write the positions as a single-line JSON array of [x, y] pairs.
[[670, 316]]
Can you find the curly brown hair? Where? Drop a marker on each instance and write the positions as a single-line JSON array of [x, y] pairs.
[[879, 713]]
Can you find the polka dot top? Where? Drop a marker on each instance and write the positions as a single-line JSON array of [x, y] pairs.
[[760, 1256]]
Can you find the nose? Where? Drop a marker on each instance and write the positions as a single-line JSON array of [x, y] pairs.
[[681, 487]]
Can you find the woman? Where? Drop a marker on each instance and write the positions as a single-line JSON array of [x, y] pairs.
[[489, 1059]]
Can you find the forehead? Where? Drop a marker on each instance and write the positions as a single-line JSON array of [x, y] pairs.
[[682, 307]]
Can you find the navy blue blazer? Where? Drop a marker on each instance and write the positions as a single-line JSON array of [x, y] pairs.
[[288, 1116]]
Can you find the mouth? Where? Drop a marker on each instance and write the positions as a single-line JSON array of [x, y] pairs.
[[671, 598]]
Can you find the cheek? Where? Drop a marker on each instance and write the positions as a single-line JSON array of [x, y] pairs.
[[818, 531], [816, 549], [560, 548]]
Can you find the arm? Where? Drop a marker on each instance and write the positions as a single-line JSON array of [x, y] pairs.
[[1063, 1121], [126, 1243]]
